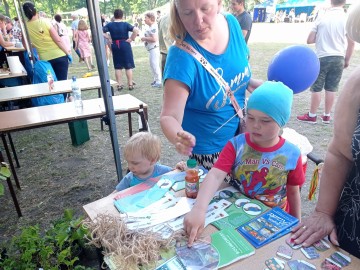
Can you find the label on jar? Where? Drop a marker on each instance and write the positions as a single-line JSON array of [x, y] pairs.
[[191, 189]]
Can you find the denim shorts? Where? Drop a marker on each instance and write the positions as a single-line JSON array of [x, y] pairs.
[[331, 69]]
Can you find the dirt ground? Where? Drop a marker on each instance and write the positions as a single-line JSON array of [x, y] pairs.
[[55, 175]]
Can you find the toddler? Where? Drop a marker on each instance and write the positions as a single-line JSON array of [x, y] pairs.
[[82, 41], [142, 153], [263, 165]]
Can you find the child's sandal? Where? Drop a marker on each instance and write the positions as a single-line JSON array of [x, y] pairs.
[[131, 87], [120, 87]]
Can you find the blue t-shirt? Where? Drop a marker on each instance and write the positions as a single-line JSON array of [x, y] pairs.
[[208, 107], [131, 180]]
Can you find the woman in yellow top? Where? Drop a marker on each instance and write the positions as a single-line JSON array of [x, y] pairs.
[[47, 42]]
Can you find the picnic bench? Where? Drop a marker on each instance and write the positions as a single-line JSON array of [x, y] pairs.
[[37, 117]]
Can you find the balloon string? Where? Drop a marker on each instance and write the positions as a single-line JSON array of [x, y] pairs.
[[224, 123]]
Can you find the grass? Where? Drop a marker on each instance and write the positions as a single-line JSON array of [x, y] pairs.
[[55, 175]]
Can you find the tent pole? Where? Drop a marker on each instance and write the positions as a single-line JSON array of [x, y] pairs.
[[98, 43]]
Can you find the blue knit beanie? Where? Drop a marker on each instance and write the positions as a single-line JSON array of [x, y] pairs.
[[274, 99]]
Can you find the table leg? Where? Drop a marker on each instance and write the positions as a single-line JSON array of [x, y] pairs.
[[12, 192], [13, 150], [8, 154], [130, 124], [143, 118]]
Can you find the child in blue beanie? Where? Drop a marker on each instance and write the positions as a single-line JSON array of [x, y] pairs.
[[263, 165]]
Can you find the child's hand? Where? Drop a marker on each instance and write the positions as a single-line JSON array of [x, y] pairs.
[[194, 224], [185, 142], [181, 166]]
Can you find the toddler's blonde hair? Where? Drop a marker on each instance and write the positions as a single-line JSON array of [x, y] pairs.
[[146, 143]]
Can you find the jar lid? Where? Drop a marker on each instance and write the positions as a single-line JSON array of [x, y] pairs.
[[191, 163]]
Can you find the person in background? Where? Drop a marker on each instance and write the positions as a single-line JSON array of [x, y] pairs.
[[47, 42], [292, 15], [107, 40], [74, 27], [82, 41], [275, 173], [337, 210], [3, 43], [142, 153], [197, 116], [151, 41], [62, 31], [165, 40], [243, 17], [158, 16], [334, 49], [121, 47]]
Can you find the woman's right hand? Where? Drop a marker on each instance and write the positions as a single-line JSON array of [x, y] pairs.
[[194, 224], [184, 142]]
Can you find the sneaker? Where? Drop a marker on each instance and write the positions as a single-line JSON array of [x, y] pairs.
[[306, 118], [152, 83], [325, 119], [92, 66], [157, 85]]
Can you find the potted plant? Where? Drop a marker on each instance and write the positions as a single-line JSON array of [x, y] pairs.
[[56, 248]]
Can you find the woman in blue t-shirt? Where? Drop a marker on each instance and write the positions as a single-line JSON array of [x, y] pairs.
[[197, 116]]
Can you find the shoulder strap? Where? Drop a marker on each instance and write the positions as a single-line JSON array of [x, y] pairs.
[[193, 52]]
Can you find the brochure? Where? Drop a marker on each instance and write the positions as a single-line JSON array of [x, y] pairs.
[[267, 227], [138, 201], [241, 210], [220, 249]]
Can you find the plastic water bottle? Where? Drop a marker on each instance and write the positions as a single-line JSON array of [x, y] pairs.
[[192, 179], [76, 93], [50, 81]]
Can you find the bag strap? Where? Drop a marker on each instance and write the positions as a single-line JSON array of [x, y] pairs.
[[220, 80]]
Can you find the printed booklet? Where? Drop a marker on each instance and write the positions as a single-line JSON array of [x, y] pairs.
[[267, 227], [241, 210], [218, 250]]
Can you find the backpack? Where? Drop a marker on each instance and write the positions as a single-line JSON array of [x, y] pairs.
[[40, 76]]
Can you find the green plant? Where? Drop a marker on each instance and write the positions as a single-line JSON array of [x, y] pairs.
[[4, 174], [58, 248]]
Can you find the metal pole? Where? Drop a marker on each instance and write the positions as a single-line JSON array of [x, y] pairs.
[[99, 47]]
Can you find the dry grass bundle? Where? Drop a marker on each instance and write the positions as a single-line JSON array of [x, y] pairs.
[[127, 248]]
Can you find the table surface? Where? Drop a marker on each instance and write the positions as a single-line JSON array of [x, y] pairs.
[[42, 89], [254, 262], [15, 49], [8, 75], [65, 112]]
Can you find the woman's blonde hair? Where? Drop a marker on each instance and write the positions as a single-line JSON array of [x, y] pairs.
[[82, 25], [145, 143], [177, 28], [353, 22]]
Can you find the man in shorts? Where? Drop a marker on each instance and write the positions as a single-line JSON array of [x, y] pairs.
[[334, 50]]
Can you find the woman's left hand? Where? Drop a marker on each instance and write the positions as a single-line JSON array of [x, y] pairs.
[[315, 227]]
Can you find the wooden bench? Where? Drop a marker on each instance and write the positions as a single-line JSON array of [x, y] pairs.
[[37, 117]]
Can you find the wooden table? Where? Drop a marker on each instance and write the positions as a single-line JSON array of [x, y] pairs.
[[8, 75], [255, 262], [42, 89], [15, 49], [55, 114]]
